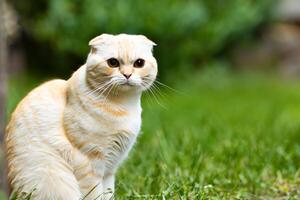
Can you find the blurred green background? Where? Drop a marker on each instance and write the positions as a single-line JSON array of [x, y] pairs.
[[188, 33], [227, 126]]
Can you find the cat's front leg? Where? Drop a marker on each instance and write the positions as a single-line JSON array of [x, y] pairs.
[[98, 167], [108, 178], [90, 173], [92, 188], [109, 185]]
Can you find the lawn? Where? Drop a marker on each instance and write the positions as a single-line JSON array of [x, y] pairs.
[[220, 135]]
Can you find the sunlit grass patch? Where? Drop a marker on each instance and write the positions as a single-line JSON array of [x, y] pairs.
[[227, 136]]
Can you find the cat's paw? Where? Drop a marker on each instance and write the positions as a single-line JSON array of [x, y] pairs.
[[108, 194]]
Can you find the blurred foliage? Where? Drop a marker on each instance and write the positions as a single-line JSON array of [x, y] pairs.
[[187, 32]]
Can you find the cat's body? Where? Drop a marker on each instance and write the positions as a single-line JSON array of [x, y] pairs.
[[65, 139]]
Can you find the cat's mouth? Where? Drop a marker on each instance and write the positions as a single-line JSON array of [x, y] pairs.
[[128, 83]]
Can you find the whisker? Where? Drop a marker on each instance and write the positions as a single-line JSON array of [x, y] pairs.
[[147, 92], [170, 88], [162, 84], [99, 89], [158, 90], [97, 86], [114, 92], [150, 89], [156, 98], [105, 90], [109, 90]]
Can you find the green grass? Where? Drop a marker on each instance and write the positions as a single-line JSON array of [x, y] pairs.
[[222, 136]]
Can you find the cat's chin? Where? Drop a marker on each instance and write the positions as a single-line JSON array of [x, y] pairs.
[[129, 87]]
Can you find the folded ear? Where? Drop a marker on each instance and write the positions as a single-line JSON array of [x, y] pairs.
[[99, 39], [146, 40]]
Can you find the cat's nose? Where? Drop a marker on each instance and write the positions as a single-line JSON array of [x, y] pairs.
[[127, 75]]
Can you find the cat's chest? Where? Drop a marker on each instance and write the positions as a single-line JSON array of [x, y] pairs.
[[107, 152], [117, 140], [98, 122], [111, 140], [117, 149], [104, 136]]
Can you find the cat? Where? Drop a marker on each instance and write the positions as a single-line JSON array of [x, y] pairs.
[[66, 139]]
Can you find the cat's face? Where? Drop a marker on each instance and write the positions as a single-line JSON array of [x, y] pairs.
[[121, 63]]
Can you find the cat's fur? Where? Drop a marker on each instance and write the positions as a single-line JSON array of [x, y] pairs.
[[67, 138]]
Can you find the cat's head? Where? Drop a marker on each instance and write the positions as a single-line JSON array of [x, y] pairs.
[[121, 63]]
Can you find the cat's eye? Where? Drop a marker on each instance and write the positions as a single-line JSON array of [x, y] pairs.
[[139, 63], [113, 62]]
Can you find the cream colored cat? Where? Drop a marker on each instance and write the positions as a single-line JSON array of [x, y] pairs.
[[66, 138]]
